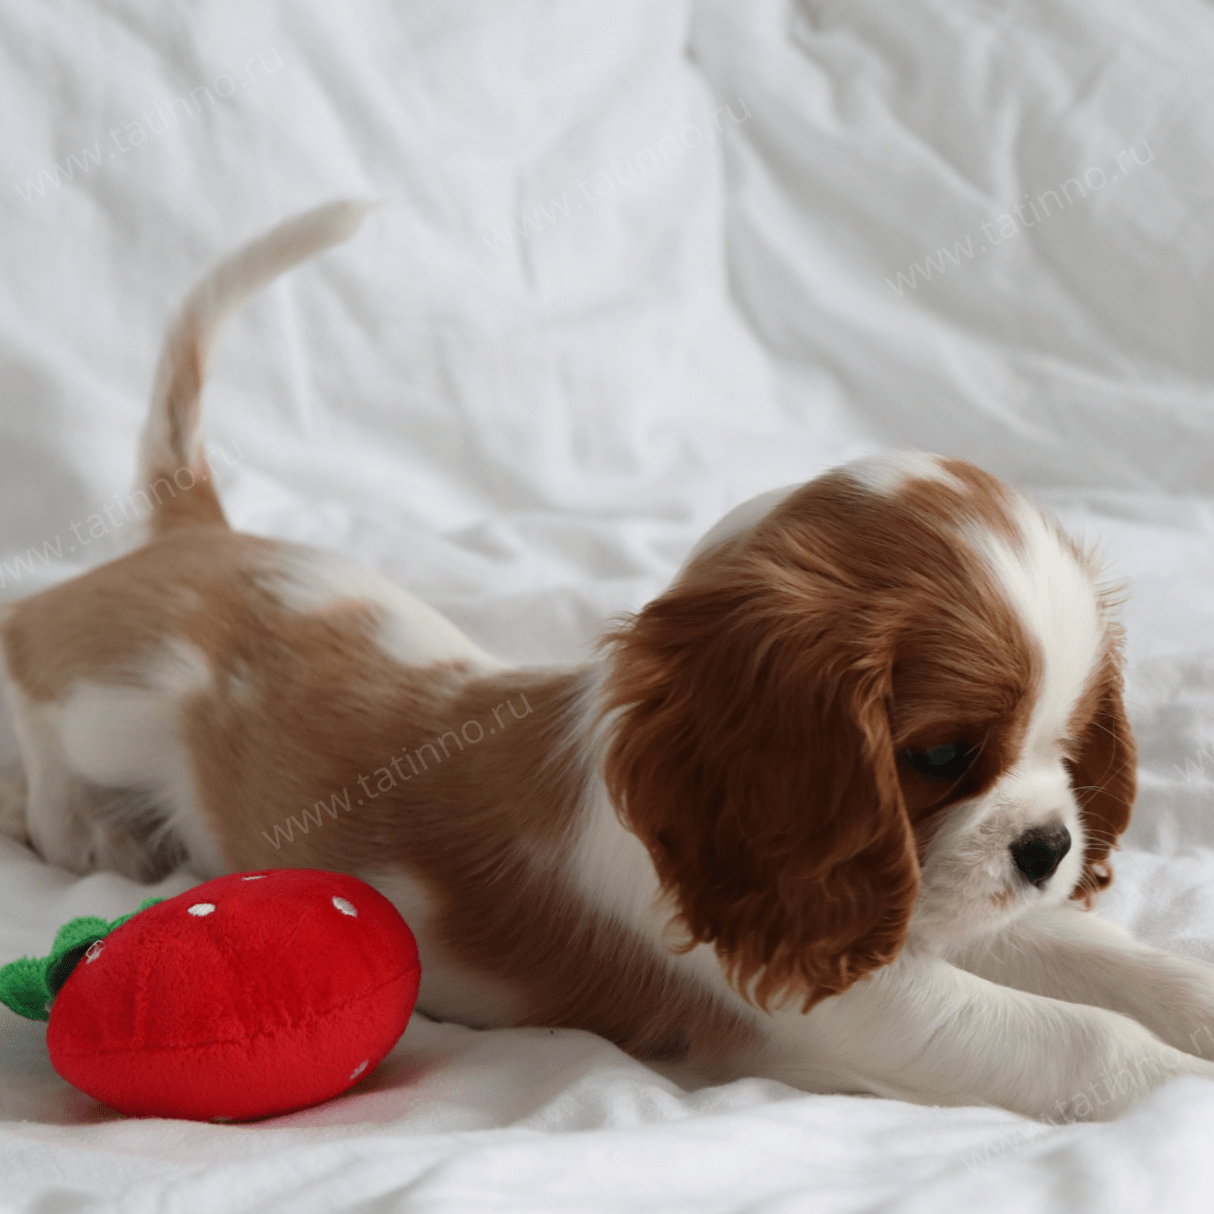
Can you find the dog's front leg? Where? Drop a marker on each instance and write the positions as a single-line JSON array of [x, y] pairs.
[[922, 1029], [1068, 953]]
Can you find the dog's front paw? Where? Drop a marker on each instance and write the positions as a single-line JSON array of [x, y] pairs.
[[1177, 1004], [1117, 1066]]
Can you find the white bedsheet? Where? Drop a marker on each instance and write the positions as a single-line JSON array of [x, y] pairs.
[[634, 263]]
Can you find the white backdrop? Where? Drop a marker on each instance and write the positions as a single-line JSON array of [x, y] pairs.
[[634, 263]]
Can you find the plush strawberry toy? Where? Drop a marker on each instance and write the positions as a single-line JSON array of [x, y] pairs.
[[246, 996]]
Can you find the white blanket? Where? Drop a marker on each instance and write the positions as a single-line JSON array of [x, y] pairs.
[[634, 263]]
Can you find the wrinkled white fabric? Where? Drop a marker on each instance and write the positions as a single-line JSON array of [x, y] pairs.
[[634, 262]]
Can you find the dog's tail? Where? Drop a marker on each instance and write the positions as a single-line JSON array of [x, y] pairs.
[[173, 468]]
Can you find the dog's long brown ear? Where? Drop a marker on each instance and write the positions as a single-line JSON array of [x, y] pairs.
[[1104, 774], [751, 753]]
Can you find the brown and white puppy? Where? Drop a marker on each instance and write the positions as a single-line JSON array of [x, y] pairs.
[[830, 809]]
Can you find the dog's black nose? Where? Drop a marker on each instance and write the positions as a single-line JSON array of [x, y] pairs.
[[1039, 851]]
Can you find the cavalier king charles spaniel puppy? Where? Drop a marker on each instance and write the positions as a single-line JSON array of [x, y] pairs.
[[832, 809]]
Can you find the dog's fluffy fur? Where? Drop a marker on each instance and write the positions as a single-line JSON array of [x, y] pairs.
[[830, 809]]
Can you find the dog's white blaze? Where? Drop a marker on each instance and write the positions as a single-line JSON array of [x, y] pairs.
[[887, 474], [1054, 597], [1057, 603]]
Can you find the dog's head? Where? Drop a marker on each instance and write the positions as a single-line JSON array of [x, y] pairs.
[[887, 702]]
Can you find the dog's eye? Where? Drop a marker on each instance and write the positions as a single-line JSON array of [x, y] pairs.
[[949, 761]]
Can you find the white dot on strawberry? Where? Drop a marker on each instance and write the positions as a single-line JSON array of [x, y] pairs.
[[346, 907], [202, 908]]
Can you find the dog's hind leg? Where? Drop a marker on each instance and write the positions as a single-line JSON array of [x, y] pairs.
[[72, 821], [57, 819]]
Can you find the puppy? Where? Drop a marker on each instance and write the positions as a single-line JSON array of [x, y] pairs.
[[831, 809]]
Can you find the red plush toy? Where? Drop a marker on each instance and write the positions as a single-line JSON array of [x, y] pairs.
[[246, 996]]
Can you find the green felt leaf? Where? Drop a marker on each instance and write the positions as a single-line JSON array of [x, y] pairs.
[[23, 988], [29, 984]]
